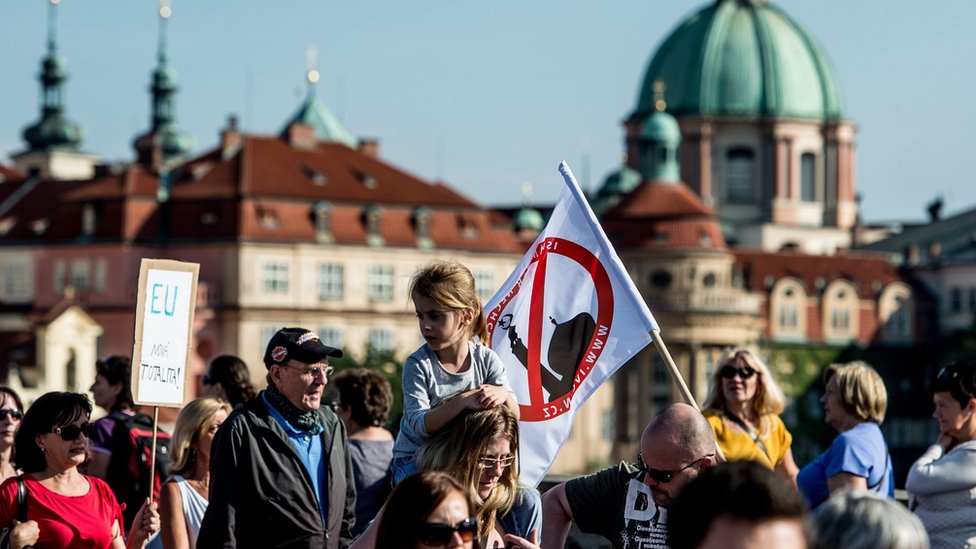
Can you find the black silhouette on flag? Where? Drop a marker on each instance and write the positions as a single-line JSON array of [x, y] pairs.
[[567, 347]]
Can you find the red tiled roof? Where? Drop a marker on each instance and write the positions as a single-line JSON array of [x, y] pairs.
[[8, 174], [663, 215], [263, 190], [864, 270]]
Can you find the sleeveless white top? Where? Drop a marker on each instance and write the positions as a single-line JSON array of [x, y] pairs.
[[194, 506]]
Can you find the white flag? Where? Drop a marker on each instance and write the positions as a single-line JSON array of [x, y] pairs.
[[563, 322]]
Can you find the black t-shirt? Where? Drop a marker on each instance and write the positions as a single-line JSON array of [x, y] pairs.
[[617, 505]]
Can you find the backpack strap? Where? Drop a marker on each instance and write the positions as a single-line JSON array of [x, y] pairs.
[[21, 498]]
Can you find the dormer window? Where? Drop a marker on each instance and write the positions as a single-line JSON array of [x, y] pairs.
[[267, 219], [40, 225], [322, 216], [367, 180], [372, 218], [421, 224]]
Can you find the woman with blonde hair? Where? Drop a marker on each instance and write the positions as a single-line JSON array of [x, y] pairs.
[[183, 498], [743, 408], [479, 449], [854, 403]]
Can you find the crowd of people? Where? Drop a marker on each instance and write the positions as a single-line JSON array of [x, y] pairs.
[[277, 468]]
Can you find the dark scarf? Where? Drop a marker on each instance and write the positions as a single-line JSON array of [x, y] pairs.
[[303, 421]]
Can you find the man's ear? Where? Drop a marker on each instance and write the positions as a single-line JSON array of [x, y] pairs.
[[275, 373]]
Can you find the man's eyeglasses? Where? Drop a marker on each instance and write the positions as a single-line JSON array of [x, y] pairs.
[[660, 476], [491, 463], [313, 372], [72, 432], [440, 534], [729, 372], [11, 413]]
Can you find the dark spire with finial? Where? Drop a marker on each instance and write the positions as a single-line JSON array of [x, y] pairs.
[[314, 113], [53, 130], [163, 142]]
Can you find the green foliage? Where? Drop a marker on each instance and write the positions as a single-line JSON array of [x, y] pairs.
[[386, 364]]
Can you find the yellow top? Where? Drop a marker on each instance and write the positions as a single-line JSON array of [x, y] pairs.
[[738, 445]]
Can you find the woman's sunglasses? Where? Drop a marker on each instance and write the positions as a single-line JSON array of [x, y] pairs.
[[436, 533], [72, 432], [11, 413], [729, 372]]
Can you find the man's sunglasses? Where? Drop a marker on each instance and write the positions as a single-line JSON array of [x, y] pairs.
[[663, 477], [729, 372], [72, 432], [12, 413], [439, 534]]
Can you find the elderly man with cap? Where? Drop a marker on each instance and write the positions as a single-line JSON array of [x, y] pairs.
[[280, 474]]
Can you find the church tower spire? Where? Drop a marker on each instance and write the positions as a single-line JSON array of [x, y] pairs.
[[53, 130], [163, 143]]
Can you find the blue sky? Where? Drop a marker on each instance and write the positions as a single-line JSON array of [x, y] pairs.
[[489, 96]]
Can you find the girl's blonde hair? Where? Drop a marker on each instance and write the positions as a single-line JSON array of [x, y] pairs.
[[456, 449], [452, 285], [194, 420], [769, 398]]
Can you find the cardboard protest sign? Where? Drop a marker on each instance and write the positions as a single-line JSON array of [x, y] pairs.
[[163, 336]]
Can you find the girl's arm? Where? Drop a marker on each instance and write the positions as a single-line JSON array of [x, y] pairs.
[[173, 523]]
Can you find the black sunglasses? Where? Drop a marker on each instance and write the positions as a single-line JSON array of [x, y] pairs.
[[72, 432], [12, 413], [436, 533], [729, 372], [663, 477]]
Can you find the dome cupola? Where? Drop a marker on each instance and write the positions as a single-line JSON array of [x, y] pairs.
[[744, 59]]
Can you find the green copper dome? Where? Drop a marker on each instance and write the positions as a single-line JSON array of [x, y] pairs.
[[742, 58], [661, 127], [529, 218]]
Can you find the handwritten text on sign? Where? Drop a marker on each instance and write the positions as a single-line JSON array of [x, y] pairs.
[[165, 336]]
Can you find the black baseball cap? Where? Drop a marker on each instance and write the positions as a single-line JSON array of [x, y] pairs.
[[297, 344]]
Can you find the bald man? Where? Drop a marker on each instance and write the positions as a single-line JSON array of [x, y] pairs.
[[627, 504]]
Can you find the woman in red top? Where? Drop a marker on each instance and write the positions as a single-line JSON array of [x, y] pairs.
[[65, 508]]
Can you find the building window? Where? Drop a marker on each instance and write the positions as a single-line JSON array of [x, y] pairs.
[[101, 275], [840, 306], [896, 313], [267, 331], [808, 177], [381, 340], [381, 283], [484, 283], [609, 424], [330, 281], [58, 275], [274, 277], [331, 336], [955, 300], [16, 280], [79, 274], [788, 309], [740, 170]]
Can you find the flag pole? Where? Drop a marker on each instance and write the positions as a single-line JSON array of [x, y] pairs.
[[662, 349]]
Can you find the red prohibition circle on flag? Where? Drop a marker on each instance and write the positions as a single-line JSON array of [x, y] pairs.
[[541, 287]]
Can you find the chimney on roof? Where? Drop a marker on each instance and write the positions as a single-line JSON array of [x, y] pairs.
[[369, 146], [301, 136], [935, 209], [230, 138]]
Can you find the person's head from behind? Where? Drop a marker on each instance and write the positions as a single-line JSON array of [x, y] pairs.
[[11, 412], [428, 509], [194, 432], [365, 398], [676, 446], [855, 393], [447, 304], [740, 377], [738, 505], [479, 448], [54, 432], [112, 388], [298, 366], [229, 379], [954, 395], [867, 520]]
